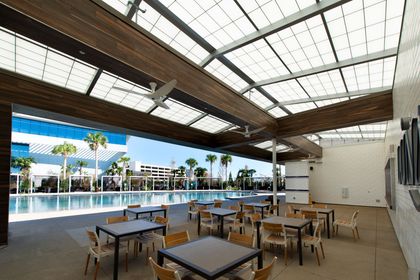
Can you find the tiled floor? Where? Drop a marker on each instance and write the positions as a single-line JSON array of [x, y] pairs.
[[56, 249]]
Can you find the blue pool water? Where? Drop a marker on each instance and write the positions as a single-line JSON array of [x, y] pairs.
[[49, 203]]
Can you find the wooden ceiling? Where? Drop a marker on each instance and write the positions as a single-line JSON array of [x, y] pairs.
[[89, 32]]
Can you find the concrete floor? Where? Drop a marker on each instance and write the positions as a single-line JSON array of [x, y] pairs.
[[56, 249]]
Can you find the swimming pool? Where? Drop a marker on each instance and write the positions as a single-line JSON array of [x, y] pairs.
[[51, 203]]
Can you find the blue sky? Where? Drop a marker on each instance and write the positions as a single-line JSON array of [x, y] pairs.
[[161, 153]]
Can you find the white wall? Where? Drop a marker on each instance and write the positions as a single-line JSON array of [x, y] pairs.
[[358, 167], [406, 98]]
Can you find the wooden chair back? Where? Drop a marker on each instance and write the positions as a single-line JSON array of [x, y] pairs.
[[202, 207], [264, 273], [93, 237], [161, 220], [354, 217], [241, 239], [290, 209], [164, 206], [274, 228], [248, 208], [134, 206], [234, 207], [174, 239], [240, 215], [265, 202], [218, 204], [319, 206], [255, 217], [191, 204], [310, 214], [296, 216], [118, 219], [163, 273], [205, 215]]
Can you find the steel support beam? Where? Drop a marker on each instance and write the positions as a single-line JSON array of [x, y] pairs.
[[325, 68], [280, 25]]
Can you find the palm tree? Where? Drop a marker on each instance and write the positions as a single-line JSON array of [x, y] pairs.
[[225, 160], [181, 171], [80, 164], [95, 140], [191, 163], [212, 159], [65, 150], [124, 161], [24, 165]]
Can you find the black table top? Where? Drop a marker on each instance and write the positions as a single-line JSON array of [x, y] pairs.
[[221, 211], [130, 227], [147, 209], [260, 205], [204, 202], [210, 257], [288, 222]]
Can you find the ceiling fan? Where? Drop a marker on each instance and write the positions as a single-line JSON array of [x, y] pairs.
[[157, 96], [247, 133]]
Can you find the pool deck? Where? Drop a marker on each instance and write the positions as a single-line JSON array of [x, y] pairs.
[[56, 248]]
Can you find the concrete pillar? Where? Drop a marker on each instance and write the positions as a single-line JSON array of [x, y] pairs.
[[274, 171], [5, 155]]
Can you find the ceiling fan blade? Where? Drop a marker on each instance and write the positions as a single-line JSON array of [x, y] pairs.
[[134, 92], [239, 132], [164, 90], [257, 130], [161, 104]]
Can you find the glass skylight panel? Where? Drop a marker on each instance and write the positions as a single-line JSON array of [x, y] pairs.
[[219, 23], [119, 5], [296, 108], [329, 101], [264, 145], [226, 75], [29, 58], [304, 45], [373, 135], [363, 27], [103, 89], [264, 13], [347, 129], [351, 135], [258, 98], [373, 127], [329, 135], [177, 112], [378, 73], [258, 61], [211, 124], [159, 26], [325, 83], [277, 112], [285, 91]]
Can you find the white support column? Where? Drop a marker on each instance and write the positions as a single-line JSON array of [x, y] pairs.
[[153, 183], [274, 171]]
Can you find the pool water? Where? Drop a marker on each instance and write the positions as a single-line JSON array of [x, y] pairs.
[[50, 203]]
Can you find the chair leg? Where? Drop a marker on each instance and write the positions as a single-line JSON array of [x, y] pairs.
[[336, 230], [357, 231], [96, 270], [153, 246], [291, 249], [322, 250], [87, 263], [126, 261], [317, 257], [147, 255], [354, 235], [285, 255]]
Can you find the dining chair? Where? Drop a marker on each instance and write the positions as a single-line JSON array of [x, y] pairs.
[[349, 223], [192, 209], [134, 206], [322, 219], [236, 222], [149, 238], [243, 240], [311, 214], [98, 250], [290, 209], [291, 232], [174, 239], [316, 241], [264, 273], [208, 221], [248, 210], [217, 204], [274, 234], [166, 206], [236, 208], [163, 273], [120, 219]]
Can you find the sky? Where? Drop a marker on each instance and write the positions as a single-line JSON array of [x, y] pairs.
[[161, 153]]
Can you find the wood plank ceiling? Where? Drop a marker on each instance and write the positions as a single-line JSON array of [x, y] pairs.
[[87, 31]]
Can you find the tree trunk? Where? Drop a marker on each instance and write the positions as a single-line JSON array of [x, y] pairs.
[[64, 167], [96, 169], [211, 173]]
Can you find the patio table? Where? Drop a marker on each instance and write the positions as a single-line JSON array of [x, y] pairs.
[[261, 206], [294, 223], [220, 213], [144, 210], [210, 257], [119, 230], [325, 211]]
